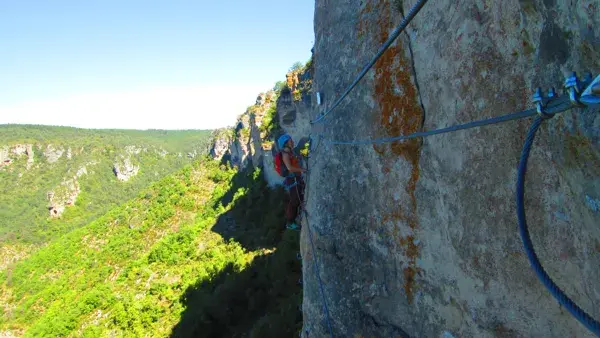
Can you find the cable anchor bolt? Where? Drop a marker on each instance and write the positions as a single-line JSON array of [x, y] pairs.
[[591, 95], [538, 100], [574, 89]]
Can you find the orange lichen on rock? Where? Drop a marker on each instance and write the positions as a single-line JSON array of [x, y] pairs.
[[400, 114], [409, 246], [411, 250], [361, 26]]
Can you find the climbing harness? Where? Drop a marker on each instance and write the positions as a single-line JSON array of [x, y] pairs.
[[288, 186]]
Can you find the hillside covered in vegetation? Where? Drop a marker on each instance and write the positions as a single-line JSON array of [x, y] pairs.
[[200, 253], [56, 179]]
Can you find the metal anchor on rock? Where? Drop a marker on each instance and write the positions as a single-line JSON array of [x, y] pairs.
[[578, 97], [586, 97], [591, 95]]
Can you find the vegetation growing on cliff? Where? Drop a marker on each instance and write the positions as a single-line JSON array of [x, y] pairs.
[[270, 121]]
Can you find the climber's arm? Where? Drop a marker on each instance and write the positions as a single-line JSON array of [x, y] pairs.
[[288, 164]]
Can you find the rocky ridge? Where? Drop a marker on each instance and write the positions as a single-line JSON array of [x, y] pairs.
[[125, 167]]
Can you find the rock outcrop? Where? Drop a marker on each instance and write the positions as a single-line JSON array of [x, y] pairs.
[[251, 143], [294, 105], [420, 238], [134, 150], [19, 149], [30, 156], [65, 194], [244, 144], [124, 169], [223, 148], [10, 153], [5, 159], [53, 153], [220, 144]]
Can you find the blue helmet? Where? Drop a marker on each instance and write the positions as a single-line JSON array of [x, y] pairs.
[[282, 140]]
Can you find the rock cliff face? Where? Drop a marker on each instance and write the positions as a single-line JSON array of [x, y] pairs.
[[20, 158], [9, 154], [420, 238], [124, 169], [69, 190], [65, 194], [294, 106], [250, 143], [4, 158], [53, 154]]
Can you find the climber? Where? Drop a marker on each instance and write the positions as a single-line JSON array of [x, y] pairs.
[[287, 165]]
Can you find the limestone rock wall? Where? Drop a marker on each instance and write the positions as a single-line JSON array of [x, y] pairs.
[[256, 141], [53, 153], [4, 157], [8, 154], [124, 168], [295, 107], [420, 238], [249, 144], [220, 144], [65, 194]]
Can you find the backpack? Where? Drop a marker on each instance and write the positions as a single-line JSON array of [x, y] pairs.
[[280, 167]]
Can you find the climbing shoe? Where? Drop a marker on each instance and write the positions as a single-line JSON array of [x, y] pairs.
[[293, 226]]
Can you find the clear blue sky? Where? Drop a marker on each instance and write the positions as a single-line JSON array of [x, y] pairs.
[[66, 62]]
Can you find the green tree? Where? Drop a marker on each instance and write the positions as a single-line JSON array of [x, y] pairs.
[[297, 67], [279, 86]]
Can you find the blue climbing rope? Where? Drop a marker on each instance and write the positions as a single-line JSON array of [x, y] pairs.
[[556, 105], [560, 296], [316, 264], [405, 21]]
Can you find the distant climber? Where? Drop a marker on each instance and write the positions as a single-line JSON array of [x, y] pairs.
[[287, 165]]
